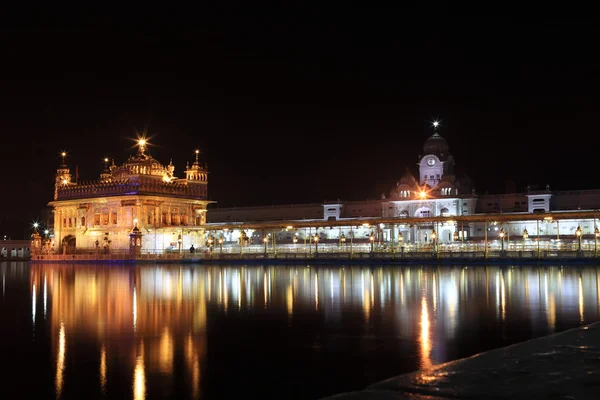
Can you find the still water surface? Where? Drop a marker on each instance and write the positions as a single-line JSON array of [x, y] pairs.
[[191, 332]]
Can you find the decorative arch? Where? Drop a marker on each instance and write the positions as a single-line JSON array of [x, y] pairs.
[[444, 212], [403, 214], [423, 212], [69, 243]]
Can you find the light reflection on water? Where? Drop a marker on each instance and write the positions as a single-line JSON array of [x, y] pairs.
[[195, 331]]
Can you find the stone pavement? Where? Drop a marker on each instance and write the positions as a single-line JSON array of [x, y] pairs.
[[565, 365]]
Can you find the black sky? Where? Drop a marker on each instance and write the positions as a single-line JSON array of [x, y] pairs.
[[293, 105]]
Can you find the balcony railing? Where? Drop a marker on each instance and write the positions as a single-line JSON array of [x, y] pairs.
[[153, 187]]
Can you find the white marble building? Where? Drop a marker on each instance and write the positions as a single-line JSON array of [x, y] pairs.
[[437, 192]]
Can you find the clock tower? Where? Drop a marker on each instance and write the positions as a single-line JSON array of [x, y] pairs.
[[436, 160]]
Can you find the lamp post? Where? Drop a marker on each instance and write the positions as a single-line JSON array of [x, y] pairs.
[[434, 240], [525, 236], [46, 241], [316, 239], [221, 240], [295, 238], [538, 237], [401, 242], [265, 241], [596, 234], [342, 240], [579, 234], [210, 241], [242, 239], [501, 234], [372, 240]]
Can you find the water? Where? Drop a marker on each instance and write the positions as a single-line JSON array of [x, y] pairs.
[[182, 331]]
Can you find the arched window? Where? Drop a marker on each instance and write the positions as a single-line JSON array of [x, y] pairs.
[[444, 212], [404, 214]]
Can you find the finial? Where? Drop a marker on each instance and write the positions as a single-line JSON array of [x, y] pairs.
[[142, 142], [106, 160], [63, 156], [142, 145], [435, 125], [197, 153]]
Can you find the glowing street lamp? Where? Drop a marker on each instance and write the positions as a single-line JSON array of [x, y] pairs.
[[525, 233], [455, 236], [342, 239], [579, 234], [434, 239], [265, 241], [295, 238], [372, 240], [316, 238], [501, 234], [596, 235]]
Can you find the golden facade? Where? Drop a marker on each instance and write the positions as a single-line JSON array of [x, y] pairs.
[[169, 212]]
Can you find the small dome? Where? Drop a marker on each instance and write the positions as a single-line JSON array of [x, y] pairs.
[[407, 179], [435, 145], [448, 178]]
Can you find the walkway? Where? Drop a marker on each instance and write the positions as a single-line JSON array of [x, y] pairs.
[[561, 366]]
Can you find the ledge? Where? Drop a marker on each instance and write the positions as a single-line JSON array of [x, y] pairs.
[[563, 365]]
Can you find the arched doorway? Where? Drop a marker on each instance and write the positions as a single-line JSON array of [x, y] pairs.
[[422, 232], [423, 212], [69, 244]]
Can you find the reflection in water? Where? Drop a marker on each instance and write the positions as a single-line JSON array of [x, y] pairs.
[[139, 375], [165, 353], [45, 295], [580, 293], [103, 368], [60, 360], [162, 313], [134, 307], [33, 305], [425, 343]]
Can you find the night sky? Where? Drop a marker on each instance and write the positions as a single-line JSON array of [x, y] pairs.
[[294, 105]]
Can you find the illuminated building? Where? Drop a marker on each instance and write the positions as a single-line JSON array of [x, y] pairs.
[[170, 213], [437, 192], [142, 194]]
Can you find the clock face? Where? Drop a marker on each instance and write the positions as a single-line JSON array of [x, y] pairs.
[[430, 161]]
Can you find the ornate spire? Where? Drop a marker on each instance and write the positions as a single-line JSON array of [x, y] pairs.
[[142, 146], [197, 151], [436, 125], [105, 175], [63, 157]]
